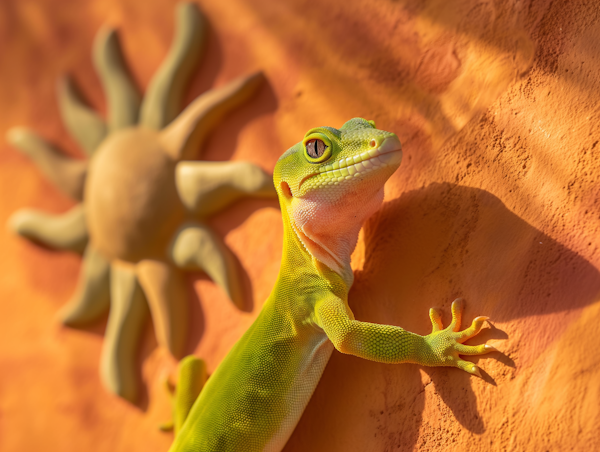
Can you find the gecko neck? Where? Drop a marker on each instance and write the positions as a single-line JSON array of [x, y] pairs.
[[323, 256], [332, 251], [328, 231]]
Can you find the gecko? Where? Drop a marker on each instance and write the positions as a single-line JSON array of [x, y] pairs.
[[328, 185]]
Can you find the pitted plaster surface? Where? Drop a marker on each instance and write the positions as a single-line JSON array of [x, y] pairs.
[[497, 201]]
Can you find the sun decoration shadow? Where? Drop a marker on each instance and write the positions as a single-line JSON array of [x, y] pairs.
[[139, 221]]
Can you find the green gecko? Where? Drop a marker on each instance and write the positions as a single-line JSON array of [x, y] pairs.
[[328, 185]]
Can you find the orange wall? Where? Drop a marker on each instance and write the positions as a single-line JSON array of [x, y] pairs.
[[497, 201]]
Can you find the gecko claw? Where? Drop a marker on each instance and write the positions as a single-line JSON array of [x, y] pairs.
[[475, 371]]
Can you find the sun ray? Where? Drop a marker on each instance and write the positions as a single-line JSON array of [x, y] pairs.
[[166, 292], [126, 321], [208, 187], [197, 247], [123, 99], [92, 295], [162, 101], [65, 173], [65, 231], [183, 137], [83, 123]]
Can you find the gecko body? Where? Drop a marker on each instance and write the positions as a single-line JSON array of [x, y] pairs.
[[328, 185]]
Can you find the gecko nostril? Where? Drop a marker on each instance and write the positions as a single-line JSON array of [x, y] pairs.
[[373, 143]]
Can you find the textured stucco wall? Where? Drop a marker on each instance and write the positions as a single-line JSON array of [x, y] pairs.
[[497, 201]]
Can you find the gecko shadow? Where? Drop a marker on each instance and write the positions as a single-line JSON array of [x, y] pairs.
[[462, 241], [422, 250]]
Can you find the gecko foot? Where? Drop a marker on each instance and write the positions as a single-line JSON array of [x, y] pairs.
[[445, 346]]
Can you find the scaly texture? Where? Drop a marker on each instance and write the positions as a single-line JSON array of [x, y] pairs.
[[327, 185]]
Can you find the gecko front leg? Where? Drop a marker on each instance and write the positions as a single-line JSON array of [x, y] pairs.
[[393, 345]]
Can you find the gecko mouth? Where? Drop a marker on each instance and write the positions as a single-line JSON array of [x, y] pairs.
[[387, 154]]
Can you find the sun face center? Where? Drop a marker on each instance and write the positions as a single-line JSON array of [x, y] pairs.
[[131, 202]]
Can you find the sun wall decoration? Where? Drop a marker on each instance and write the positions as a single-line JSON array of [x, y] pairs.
[[142, 200]]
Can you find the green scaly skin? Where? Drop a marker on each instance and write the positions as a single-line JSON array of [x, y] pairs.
[[256, 396]]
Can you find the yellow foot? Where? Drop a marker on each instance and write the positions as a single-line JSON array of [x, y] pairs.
[[446, 345]]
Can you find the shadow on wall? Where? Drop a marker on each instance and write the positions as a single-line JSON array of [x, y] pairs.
[[451, 240], [467, 240], [424, 249]]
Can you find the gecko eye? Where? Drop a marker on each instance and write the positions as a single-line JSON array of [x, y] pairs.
[[315, 148]]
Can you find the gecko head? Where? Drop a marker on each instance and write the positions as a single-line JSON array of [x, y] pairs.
[[332, 181]]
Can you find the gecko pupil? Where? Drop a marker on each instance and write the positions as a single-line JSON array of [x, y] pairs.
[[315, 148]]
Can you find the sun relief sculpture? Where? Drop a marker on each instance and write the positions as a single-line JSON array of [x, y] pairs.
[[141, 198]]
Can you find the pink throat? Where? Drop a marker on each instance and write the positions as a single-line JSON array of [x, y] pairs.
[[329, 231]]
